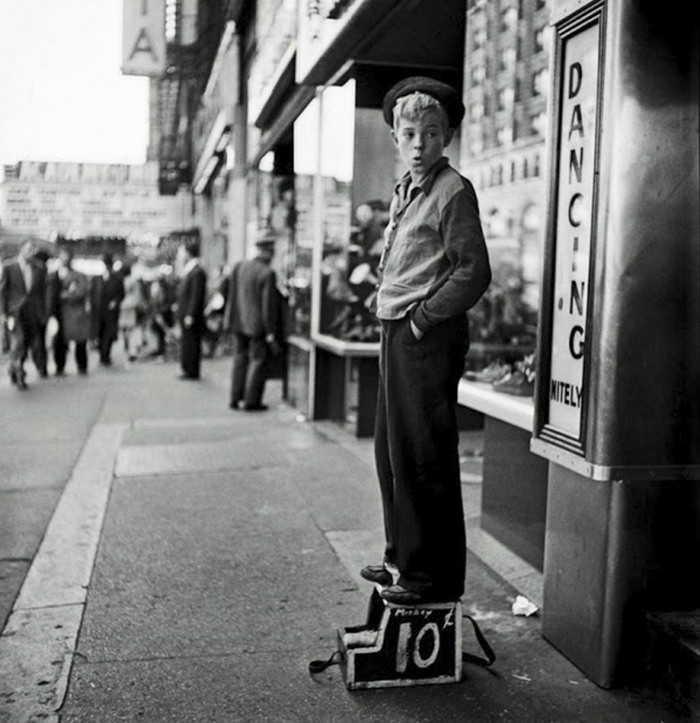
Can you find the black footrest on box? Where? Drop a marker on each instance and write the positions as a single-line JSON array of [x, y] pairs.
[[403, 646]]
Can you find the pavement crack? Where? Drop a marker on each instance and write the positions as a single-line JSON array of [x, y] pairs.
[[201, 656], [188, 472]]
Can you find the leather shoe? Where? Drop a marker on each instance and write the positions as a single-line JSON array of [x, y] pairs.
[[377, 574], [255, 407], [400, 595]]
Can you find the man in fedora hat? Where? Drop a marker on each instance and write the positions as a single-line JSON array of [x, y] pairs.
[[252, 311]]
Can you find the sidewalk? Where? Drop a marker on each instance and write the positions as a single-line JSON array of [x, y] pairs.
[[199, 558]]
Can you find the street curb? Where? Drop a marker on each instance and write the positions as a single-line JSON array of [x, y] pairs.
[[38, 642]]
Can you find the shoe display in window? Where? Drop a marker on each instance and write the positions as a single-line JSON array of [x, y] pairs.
[[495, 371], [521, 381]]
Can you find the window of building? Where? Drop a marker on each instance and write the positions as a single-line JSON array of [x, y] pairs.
[[478, 74], [542, 39], [504, 135], [505, 98], [479, 37], [539, 124], [506, 59], [509, 19], [540, 82], [476, 111], [536, 165]]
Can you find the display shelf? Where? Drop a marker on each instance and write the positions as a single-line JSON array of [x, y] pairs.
[[346, 348], [301, 342], [518, 411], [346, 382]]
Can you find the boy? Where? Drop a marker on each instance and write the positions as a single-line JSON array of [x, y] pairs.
[[434, 267]]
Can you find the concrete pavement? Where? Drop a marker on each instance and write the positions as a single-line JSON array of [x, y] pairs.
[[197, 559]]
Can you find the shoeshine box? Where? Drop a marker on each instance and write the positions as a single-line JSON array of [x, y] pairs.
[[403, 645]]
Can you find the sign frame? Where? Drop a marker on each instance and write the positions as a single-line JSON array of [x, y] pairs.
[[549, 438]]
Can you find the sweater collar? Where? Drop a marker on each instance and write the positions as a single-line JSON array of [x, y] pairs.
[[425, 183]]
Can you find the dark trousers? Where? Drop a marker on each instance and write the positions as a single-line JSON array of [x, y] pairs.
[[159, 333], [105, 339], [190, 351], [60, 352], [416, 446], [38, 348], [27, 334], [249, 370]]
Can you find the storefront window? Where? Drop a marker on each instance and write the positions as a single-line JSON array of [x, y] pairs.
[[306, 133], [357, 173], [504, 322], [338, 124]]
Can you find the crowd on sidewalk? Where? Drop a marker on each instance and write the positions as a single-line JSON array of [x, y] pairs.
[[51, 308]]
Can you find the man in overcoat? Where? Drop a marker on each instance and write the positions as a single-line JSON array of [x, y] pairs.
[[23, 311], [106, 294], [252, 314], [190, 309]]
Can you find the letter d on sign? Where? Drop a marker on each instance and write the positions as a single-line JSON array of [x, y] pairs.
[[575, 78]]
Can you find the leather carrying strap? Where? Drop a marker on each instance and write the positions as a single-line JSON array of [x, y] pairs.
[[318, 666], [490, 658]]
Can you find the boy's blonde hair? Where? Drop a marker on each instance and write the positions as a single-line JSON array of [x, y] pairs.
[[412, 106]]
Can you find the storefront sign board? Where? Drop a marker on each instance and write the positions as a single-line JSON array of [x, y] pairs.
[[143, 38]]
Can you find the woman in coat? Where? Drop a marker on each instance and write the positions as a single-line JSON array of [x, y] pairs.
[[70, 305]]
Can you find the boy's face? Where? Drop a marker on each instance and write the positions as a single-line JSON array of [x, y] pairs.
[[421, 141]]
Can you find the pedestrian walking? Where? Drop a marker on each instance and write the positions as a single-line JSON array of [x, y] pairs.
[[434, 267], [161, 317], [23, 312], [69, 303], [38, 346], [190, 309], [252, 314], [130, 312], [106, 295]]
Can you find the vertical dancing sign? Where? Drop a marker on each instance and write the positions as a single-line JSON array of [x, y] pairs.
[[574, 217]]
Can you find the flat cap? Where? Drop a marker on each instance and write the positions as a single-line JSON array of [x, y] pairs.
[[446, 94]]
